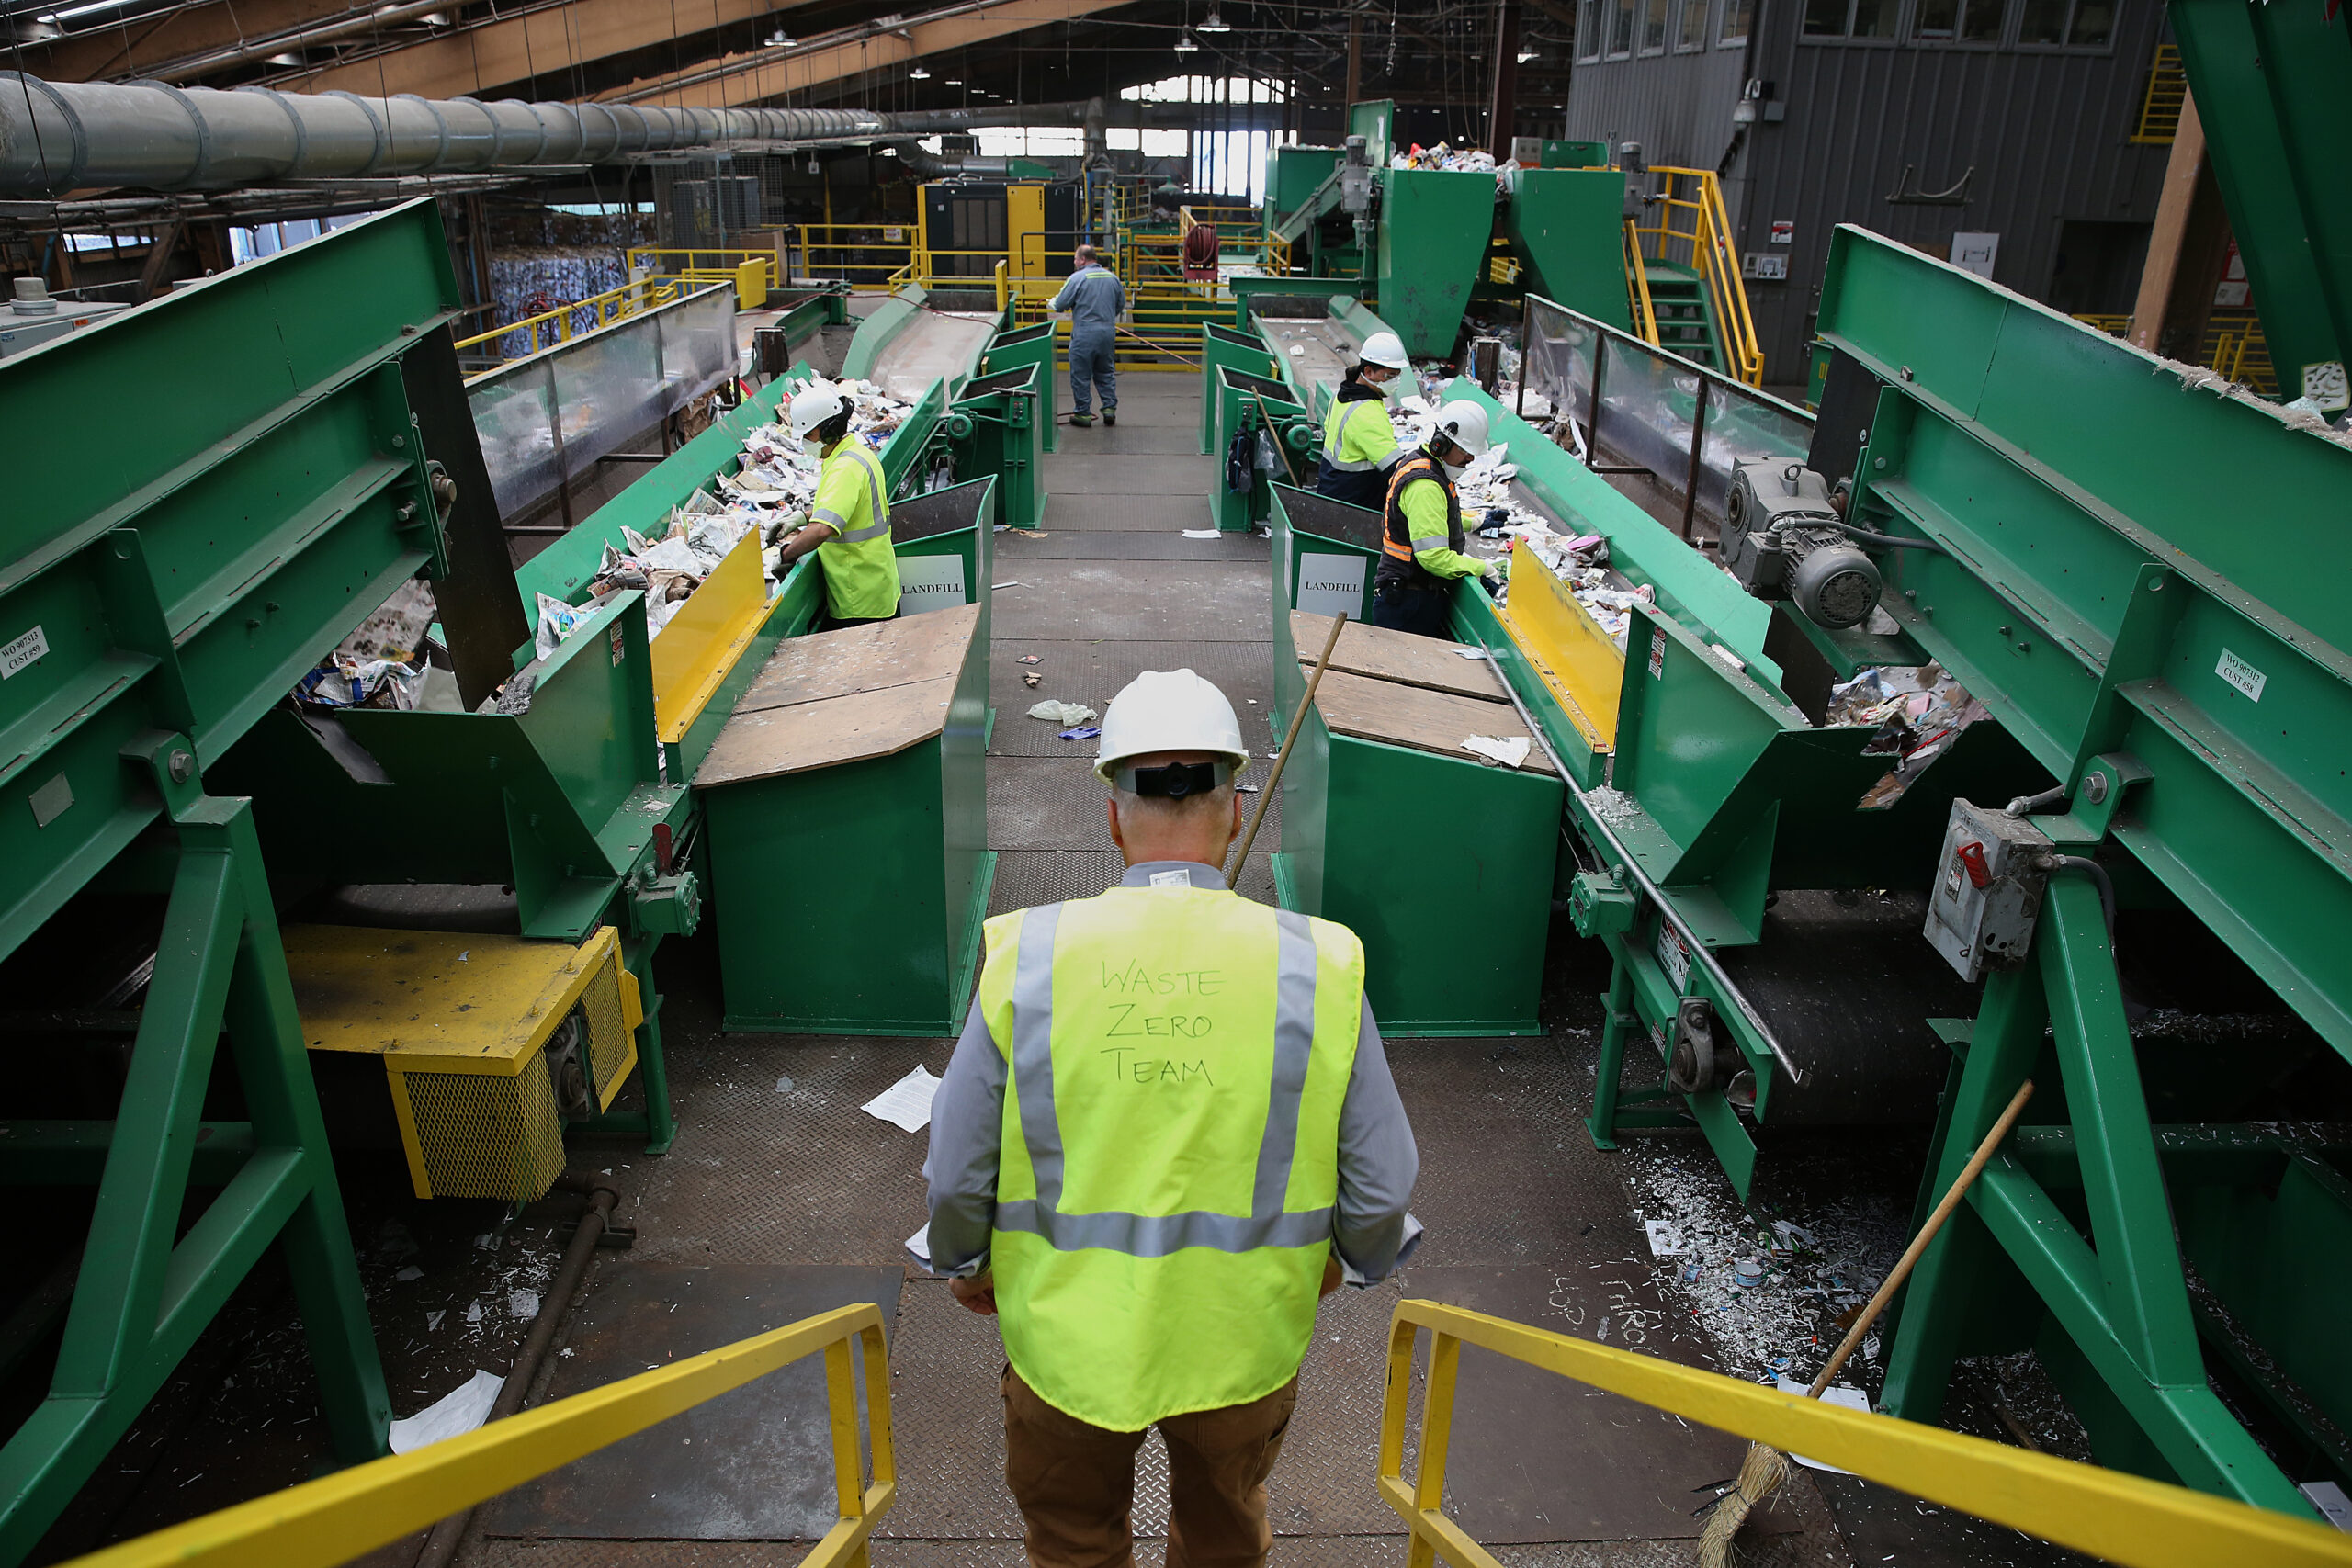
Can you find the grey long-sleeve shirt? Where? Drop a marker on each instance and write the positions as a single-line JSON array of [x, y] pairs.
[[1094, 299], [1378, 1161]]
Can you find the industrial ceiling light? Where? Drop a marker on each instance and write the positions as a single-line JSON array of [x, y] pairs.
[[1216, 24], [919, 74], [1184, 44], [779, 39], [815, 167], [1525, 55]]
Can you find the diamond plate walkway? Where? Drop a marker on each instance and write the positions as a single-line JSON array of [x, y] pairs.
[[781, 1198]]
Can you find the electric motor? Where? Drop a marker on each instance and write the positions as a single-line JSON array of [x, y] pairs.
[[1783, 538]]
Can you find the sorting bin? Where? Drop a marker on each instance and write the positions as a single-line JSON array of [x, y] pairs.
[[1326, 553], [846, 810], [993, 428], [1248, 403], [1443, 864], [1031, 346], [1222, 347]]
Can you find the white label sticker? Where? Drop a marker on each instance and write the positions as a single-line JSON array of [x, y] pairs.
[[2241, 674], [929, 582], [1673, 956], [15, 654], [1171, 879], [1657, 654], [1332, 585]]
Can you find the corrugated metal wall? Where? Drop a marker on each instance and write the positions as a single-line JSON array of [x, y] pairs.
[[2048, 133]]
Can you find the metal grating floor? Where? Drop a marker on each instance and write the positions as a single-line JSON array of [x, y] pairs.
[[1093, 672], [776, 1162]]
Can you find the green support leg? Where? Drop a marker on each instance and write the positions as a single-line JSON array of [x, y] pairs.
[[1617, 1003], [2121, 1295], [660, 1128], [140, 1301]]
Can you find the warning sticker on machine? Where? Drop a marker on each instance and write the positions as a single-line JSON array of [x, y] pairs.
[[1657, 654], [1673, 955], [15, 654], [2241, 674]]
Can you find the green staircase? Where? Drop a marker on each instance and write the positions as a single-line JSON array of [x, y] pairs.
[[1686, 323]]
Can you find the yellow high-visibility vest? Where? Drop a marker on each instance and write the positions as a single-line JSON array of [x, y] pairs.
[[1176, 1060]]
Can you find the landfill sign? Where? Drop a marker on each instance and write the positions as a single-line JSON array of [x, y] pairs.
[[929, 582], [1332, 585]]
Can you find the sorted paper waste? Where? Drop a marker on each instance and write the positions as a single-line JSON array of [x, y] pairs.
[[452, 1416], [906, 1103], [1510, 753]]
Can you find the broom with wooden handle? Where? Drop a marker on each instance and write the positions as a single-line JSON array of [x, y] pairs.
[[1766, 1467], [1282, 758]]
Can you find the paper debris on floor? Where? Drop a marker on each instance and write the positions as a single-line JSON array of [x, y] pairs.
[[1508, 753], [906, 1103], [1665, 1240], [919, 1246], [1849, 1398], [452, 1416], [1064, 713], [1470, 653], [1031, 659], [1200, 532]]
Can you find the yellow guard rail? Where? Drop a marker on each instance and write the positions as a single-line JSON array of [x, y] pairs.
[[2121, 1518], [338, 1517]]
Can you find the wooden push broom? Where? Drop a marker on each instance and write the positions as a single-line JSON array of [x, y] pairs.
[[1766, 1467]]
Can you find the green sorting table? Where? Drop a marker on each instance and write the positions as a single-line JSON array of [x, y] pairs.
[[847, 812], [1442, 863]]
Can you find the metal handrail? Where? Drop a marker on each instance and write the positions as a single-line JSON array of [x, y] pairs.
[[2117, 1518], [1638, 288], [861, 239], [610, 305], [1713, 258], [2166, 98], [344, 1516]]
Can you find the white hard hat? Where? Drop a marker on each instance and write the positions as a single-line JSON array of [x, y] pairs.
[[1463, 423], [1169, 710], [814, 404], [1384, 349]]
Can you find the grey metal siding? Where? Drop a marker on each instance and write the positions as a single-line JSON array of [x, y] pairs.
[[2048, 133]]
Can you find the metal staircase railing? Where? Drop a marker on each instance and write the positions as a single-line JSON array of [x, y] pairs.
[[1692, 222], [338, 1517]]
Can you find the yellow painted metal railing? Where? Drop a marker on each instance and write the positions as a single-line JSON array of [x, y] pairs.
[[1694, 231], [344, 1516], [2233, 345], [2117, 1518], [754, 272], [2167, 95], [551, 327], [864, 256], [1638, 288]]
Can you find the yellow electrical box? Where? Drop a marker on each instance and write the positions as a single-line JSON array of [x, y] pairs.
[[491, 1042]]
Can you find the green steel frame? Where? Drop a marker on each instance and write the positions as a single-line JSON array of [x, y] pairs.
[[2187, 677], [1432, 252], [162, 594], [2270, 84], [1567, 226], [1035, 345]]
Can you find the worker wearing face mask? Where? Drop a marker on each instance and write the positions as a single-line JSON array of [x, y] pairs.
[[848, 521], [1359, 442], [1421, 550]]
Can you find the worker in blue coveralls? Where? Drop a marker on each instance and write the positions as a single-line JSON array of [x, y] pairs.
[[1096, 301]]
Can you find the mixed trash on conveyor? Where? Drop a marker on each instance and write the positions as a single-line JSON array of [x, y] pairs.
[[1919, 711]]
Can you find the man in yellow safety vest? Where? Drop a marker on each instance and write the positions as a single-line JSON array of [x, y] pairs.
[[1169, 1129], [848, 519]]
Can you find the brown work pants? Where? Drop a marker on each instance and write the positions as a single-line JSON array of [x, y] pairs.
[[1076, 1482]]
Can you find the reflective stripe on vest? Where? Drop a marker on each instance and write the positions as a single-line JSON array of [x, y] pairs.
[[1156, 1236], [1420, 465], [876, 500], [1177, 1061], [1335, 442]]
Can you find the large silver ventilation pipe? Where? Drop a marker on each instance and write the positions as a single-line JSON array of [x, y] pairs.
[[58, 136]]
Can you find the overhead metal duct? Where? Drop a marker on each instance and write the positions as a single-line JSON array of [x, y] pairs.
[[58, 136]]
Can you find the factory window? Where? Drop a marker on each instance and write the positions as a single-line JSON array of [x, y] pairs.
[[2067, 24], [1958, 21], [1850, 18], [1691, 27], [1738, 14], [1653, 27], [1589, 29], [1621, 28]]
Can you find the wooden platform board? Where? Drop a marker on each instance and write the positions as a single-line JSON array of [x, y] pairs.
[[1418, 717], [767, 743], [904, 652], [1387, 655]]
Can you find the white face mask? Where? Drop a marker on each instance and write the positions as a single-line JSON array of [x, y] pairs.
[[813, 446]]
